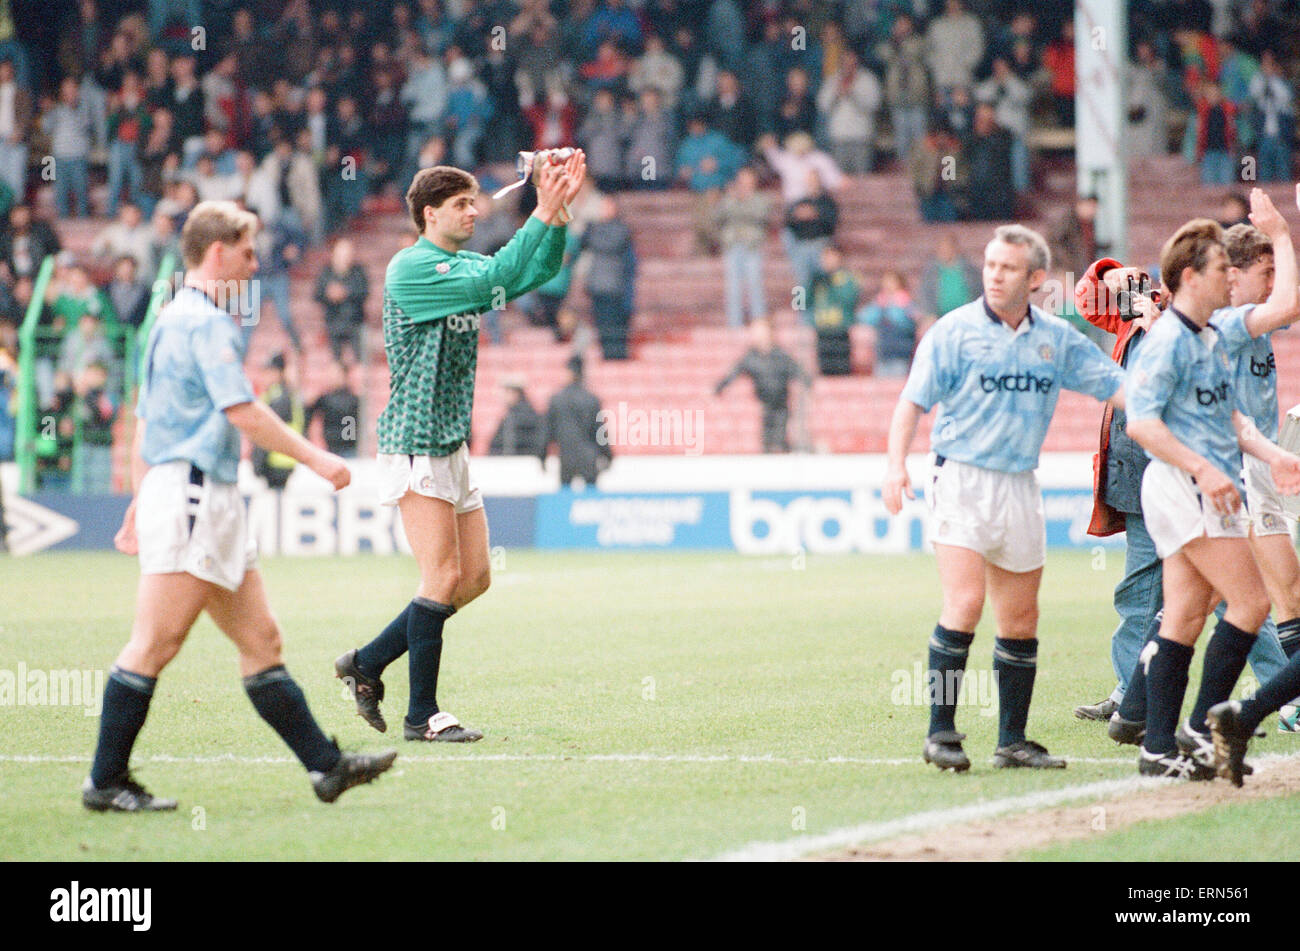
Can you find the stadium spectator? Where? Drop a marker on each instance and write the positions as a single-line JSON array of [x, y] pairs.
[[339, 409], [1216, 136], [572, 424], [468, 110], [552, 122], [26, 242], [424, 94], [341, 290], [958, 111], [611, 272], [810, 223], [128, 126], [771, 370], [128, 235], [56, 436], [991, 195], [1236, 71], [279, 248], [520, 431], [283, 398], [731, 112], [128, 295], [835, 291], [797, 111], [651, 142], [1148, 115], [614, 24], [8, 414], [296, 188], [70, 124], [743, 215], [933, 165], [659, 69], [184, 99], [1058, 60], [892, 317], [954, 45], [84, 340], [706, 161], [163, 240], [537, 35], [907, 84], [15, 128], [848, 100], [1010, 97], [95, 412], [505, 131], [1274, 101], [603, 136], [947, 281], [1074, 239], [793, 163], [1234, 209], [724, 32]]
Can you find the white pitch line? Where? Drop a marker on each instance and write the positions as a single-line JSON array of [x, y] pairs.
[[790, 849], [552, 758]]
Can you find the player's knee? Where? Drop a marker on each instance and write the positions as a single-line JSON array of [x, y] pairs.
[[479, 583], [964, 609], [1252, 610]]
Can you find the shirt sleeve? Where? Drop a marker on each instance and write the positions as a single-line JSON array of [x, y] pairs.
[[218, 355], [1233, 331], [531, 258], [933, 375], [1085, 369], [1150, 381]]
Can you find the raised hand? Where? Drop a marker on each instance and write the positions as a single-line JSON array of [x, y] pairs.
[[1264, 215]]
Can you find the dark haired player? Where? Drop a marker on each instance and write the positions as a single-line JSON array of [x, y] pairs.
[[434, 294]]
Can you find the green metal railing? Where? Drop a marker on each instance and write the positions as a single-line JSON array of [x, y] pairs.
[[130, 343]]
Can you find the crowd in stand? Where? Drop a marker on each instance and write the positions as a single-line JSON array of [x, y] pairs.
[[301, 109]]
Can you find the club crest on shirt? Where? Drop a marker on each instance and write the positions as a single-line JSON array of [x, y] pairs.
[[1228, 521], [442, 267], [1271, 521], [1045, 351], [426, 483]]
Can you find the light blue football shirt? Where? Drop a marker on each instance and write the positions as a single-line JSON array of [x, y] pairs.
[[193, 369], [997, 388], [1184, 376], [1255, 376]]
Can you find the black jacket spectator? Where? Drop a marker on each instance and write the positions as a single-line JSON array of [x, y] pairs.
[[26, 242], [572, 422], [520, 430], [339, 411], [820, 223], [345, 313]]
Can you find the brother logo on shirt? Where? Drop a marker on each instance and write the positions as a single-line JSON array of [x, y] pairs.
[[463, 323], [1015, 383], [1213, 395], [1263, 367]]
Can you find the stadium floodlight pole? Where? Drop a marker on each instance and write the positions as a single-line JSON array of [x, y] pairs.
[[1100, 117]]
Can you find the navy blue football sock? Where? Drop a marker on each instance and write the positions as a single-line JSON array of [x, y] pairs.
[[126, 704], [280, 702], [1166, 685], [1015, 662], [1288, 634], [948, 651], [373, 659], [1134, 705], [1225, 659], [424, 636], [1272, 695]]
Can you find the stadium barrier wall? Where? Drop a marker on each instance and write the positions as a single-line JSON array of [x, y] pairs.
[[759, 505]]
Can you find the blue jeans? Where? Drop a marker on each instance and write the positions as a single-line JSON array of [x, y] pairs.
[[909, 128], [70, 178], [1216, 169], [123, 169], [744, 270], [1274, 159], [1019, 165], [1138, 596], [804, 256]]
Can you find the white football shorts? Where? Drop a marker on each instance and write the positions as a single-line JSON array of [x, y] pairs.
[[1263, 500], [438, 477], [187, 522], [998, 514], [1175, 513]]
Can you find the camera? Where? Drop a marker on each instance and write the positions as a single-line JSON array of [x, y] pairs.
[[1140, 286]]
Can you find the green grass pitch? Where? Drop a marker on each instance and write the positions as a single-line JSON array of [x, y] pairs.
[[635, 706]]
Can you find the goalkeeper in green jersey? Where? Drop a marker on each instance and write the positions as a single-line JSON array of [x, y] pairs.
[[434, 294]]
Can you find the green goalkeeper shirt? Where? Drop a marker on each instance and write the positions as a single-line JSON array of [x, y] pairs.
[[432, 304]]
